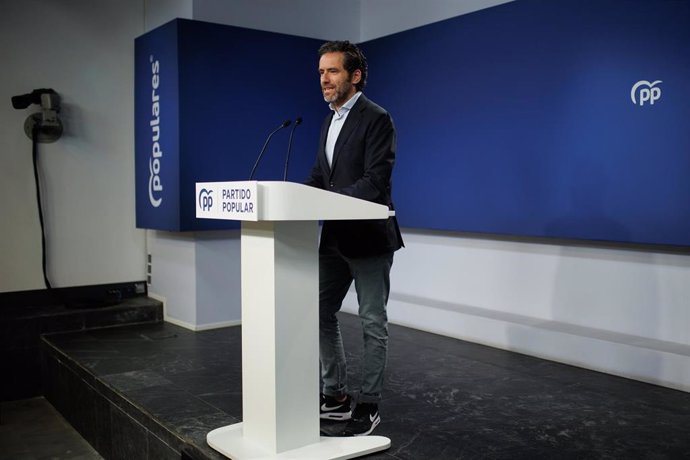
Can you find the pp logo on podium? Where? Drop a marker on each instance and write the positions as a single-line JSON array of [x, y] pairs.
[[205, 199], [645, 92]]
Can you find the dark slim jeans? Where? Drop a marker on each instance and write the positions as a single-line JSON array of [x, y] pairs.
[[372, 283]]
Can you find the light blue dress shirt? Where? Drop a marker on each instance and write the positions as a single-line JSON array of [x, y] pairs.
[[337, 122]]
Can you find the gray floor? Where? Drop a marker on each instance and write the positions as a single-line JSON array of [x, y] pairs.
[[31, 429]]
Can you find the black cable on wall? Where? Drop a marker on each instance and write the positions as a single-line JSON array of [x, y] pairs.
[[35, 133]]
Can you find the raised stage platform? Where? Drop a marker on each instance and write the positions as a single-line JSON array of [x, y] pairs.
[[154, 391]]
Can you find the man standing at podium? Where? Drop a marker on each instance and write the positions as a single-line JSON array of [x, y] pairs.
[[355, 157]]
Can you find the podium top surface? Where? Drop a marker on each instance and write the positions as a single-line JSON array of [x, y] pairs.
[[280, 201]]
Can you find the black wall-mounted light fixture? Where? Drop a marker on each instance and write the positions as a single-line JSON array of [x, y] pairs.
[[44, 126]]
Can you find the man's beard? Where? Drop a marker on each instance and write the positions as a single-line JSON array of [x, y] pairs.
[[340, 93]]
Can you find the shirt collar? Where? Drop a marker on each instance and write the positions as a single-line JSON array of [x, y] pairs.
[[348, 105]]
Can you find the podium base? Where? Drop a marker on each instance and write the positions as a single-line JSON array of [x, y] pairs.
[[228, 440]]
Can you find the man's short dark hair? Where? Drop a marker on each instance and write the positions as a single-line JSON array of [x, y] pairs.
[[354, 58]]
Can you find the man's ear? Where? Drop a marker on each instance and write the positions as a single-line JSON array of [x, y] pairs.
[[356, 76]]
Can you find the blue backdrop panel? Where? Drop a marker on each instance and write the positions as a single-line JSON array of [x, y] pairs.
[[156, 128], [519, 120], [231, 87]]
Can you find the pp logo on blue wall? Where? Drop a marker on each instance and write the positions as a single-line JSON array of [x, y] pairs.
[[205, 199], [645, 92]]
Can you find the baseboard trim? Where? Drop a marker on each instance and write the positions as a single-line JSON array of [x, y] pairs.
[[201, 327], [88, 296]]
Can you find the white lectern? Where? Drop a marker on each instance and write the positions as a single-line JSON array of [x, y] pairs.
[[280, 403]]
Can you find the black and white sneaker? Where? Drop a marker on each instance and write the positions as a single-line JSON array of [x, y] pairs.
[[332, 409], [364, 419]]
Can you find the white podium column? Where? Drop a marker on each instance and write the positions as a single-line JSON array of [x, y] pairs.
[[280, 346]]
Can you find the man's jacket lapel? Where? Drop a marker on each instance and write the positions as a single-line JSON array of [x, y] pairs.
[[322, 143], [351, 123]]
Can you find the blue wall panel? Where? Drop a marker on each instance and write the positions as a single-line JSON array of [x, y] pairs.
[[156, 129], [234, 86], [241, 84], [514, 120], [518, 120]]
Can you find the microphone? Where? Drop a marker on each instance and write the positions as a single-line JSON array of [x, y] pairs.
[[285, 124], [298, 121]]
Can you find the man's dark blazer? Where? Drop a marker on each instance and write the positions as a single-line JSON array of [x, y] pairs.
[[363, 161]]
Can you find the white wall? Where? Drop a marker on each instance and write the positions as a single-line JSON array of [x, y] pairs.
[[354, 20], [386, 17], [219, 301], [158, 12], [173, 275], [325, 19], [618, 311], [84, 50]]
